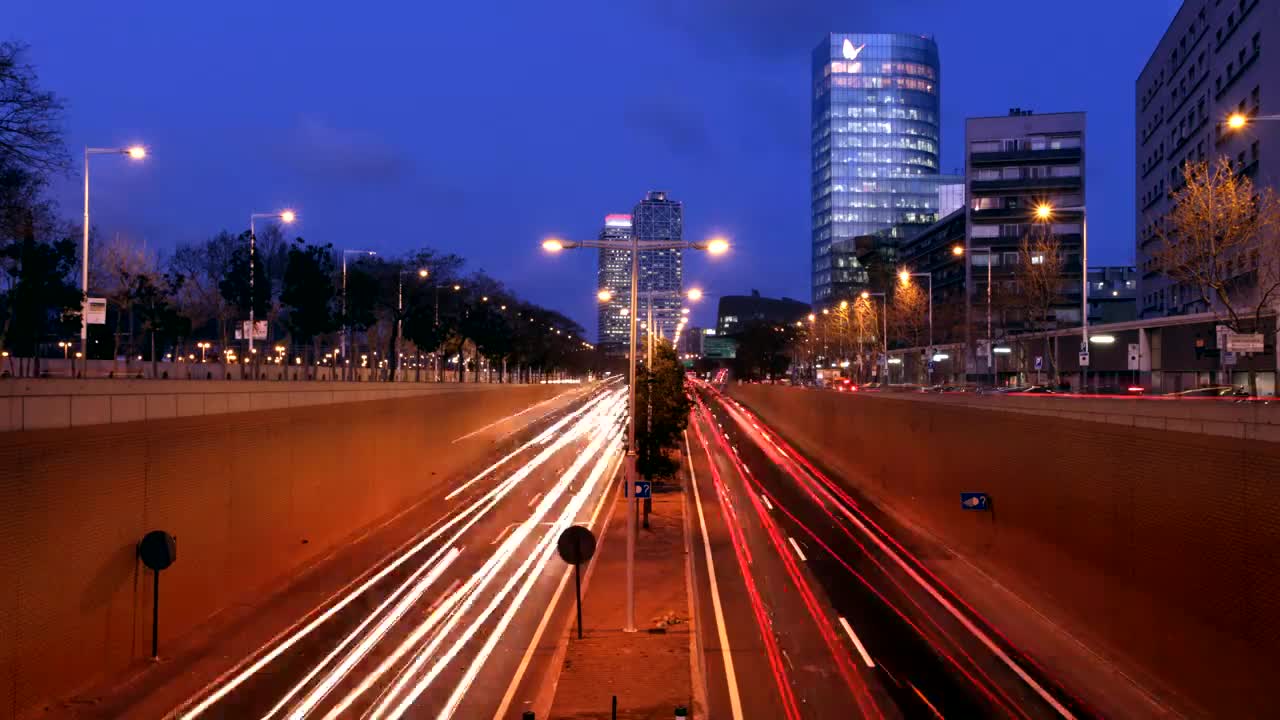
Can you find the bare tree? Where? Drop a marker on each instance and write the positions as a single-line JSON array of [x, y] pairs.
[[909, 316], [1222, 242], [1039, 281], [30, 118], [117, 264]]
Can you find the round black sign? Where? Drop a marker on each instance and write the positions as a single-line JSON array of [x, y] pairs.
[[158, 550], [576, 545]]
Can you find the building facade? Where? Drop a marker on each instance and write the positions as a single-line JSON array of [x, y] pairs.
[[1113, 294], [658, 217], [1017, 163], [613, 273], [875, 147], [1207, 66], [735, 312]]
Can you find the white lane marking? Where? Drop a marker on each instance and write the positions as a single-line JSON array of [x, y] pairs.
[[480, 508], [510, 695], [961, 617], [735, 702], [856, 642], [795, 545], [365, 645], [534, 501], [765, 498]]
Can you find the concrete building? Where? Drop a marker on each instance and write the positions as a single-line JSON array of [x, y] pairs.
[[875, 147], [1015, 164], [1208, 65], [1113, 294], [736, 312], [661, 271], [614, 274]]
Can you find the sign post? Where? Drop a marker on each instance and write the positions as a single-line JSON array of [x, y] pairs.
[[158, 550], [576, 545], [974, 501]]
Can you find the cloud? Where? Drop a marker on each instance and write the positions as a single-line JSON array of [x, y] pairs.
[[681, 129], [316, 148]]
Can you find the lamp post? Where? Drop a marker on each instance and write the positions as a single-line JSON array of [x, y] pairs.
[[714, 246], [203, 347], [905, 276], [1044, 213], [960, 250], [346, 330], [884, 333], [422, 273], [135, 152], [285, 216]]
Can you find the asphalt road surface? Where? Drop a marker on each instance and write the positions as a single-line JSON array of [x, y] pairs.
[[443, 628], [812, 608]]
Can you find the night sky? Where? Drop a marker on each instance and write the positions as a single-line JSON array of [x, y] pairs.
[[479, 127]]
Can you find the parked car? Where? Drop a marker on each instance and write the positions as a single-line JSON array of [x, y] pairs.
[[845, 385]]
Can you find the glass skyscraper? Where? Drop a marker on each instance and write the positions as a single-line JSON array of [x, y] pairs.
[[614, 274], [875, 141], [658, 217]]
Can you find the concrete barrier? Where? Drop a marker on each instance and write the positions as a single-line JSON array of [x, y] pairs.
[[1156, 546], [251, 496]]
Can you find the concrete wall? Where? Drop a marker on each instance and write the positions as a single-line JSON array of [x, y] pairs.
[[38, 404], [251, 497], [1158, 546]]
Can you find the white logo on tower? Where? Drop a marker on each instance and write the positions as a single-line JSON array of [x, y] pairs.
[[851, 52]]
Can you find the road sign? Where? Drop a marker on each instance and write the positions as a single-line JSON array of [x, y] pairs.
[[95, 311], [644, 490], [1228, 358], [1039, 362], [259, 330], [1134, 359], [576, 545], [1084, 359], [930, 366], [984, 348], [974, 501], [1245, 342]]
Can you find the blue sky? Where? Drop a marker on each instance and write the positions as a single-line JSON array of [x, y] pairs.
[[479, 127]]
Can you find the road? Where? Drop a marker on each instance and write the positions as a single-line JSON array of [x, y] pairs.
[[443, 628], [823, 612]]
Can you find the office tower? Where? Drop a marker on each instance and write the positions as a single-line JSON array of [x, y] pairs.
[[614, 275], [661, 271], [875, 148]]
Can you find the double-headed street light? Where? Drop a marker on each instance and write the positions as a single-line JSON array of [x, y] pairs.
[[285, 216], [959, 250], [134, 152], [714, 246]]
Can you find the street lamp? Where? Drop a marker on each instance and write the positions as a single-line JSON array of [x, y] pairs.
[[134, 152], [905, 276], [715, 246], [1237, 121], [958, 250], [884, 317], [1044, 213], [346, 330], [422, 273], [203, 347], [285, 216]]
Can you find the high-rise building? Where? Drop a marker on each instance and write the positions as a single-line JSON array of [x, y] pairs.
[[661, 271], [875, 148], [1208, 65], [614, 274], [1017, 163]]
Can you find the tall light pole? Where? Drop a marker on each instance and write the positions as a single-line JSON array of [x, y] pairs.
[[135, 152], [884, 334], [422, 273], [714, 246], [960, 250], [346, 330], [905, 276], [1044, 213], [285, 216]]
